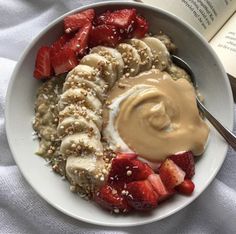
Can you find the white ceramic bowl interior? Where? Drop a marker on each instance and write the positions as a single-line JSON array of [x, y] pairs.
[[212, 82]]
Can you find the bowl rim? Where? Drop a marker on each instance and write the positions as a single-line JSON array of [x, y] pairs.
[[125, 4]]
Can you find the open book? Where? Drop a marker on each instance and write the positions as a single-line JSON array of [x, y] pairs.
[[215, 20]]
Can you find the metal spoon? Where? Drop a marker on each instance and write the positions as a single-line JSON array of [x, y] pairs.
[[225, 133]]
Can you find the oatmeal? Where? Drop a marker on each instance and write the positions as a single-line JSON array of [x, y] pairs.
[[46, 121]]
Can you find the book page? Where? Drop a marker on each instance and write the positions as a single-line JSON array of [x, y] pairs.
[[206, 16], [224, 44]]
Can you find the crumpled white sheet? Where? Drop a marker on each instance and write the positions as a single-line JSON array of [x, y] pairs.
[[22, 210]]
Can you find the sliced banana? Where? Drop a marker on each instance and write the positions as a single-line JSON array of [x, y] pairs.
[[84, 171], [113, 56], [83, 70], [144, 52], [161, 56], [75, 81], [80, 120], [102, 65], [130, 57], [74, 124], [80, 144], [87, 73], [79, 96], [74, 110]]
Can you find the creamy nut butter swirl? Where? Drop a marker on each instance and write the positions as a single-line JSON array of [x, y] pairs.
[[155, 116]]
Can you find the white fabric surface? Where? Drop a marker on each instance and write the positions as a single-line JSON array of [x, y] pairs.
[[23, 211]]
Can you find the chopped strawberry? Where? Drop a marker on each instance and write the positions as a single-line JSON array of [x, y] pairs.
[[59, 43], [109, 198], [186, 187], [171, 174], [127, 170], [159, 187], [119, 185], [64, 61], [73, 23], [105, 35], [101, 19], [120, 18], [141, 195], [43, 68], [186, 162], [140, 27], [79, 43], [127, 155]]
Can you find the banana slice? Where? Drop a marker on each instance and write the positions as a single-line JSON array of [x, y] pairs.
[[113, 56], [102, 65], [144, 52], [80, 144], [87, 73], [161, 56], [76, 124], [79, 96], [75, 110], [130, 57], [75, 81], [84, 171]]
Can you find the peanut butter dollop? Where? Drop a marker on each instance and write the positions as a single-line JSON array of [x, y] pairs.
[[155, 116]]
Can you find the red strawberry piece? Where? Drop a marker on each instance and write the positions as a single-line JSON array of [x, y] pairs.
[[105, 35], [79, 43], [159, 187], [127, 170], [119, 186], [64, 61], [141, 195], [72, 23], [43, 68], [140, 27], [171, 174], [186, 187], [127, 155], [186, 162], [101, 19], [59, 43], [120, 18], [110, 199]]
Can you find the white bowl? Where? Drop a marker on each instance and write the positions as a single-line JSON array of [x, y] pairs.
[[213, 84]]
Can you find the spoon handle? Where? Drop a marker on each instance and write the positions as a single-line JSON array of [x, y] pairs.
[[225, 133]]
